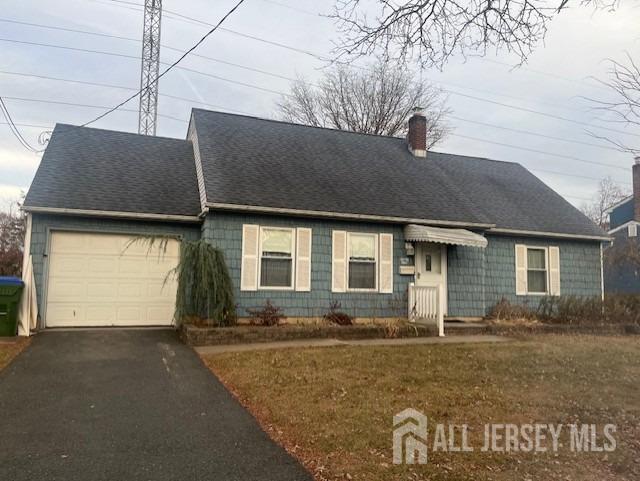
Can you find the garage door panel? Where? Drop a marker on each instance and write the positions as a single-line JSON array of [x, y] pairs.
[[133, 267], [102, 266], [130, 314], [65, 290], [68, 264], [131, 290], [106, 280], [102, 290], [67, 313], [69, 242], [100, 315], [156, 314]]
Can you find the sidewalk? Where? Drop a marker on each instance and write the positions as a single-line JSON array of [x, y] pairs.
[[263, 346]]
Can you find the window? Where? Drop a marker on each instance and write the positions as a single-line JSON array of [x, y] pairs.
[[276, 257], [362, 272], [536, 270], [427, 260], [633, 230]]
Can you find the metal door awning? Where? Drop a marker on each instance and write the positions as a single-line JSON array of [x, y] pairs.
[[461, 237]]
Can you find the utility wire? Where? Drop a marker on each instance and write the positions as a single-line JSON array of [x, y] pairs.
[[452, 134], [272, 74], [461, 119], [14, 129], [452, 92], [529, 132], [123, 87], [201, 22], [543, 152], [164, 72]]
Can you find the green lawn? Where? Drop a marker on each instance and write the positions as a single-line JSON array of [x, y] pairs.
[[333, 407], [8, 350]]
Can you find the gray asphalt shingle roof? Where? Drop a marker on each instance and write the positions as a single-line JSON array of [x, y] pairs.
[[258, 162], [94, 169]]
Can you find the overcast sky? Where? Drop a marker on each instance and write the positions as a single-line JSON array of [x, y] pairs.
[[554, 81]]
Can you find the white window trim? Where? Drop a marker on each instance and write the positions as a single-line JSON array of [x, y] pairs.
[[546, 268], [293, 259], [376, 239]]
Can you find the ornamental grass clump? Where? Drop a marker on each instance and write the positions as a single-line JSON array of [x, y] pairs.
[[205, 289]]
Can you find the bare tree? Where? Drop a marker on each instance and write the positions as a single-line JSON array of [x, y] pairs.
[[432, 30], [12, 228], [609, 193], [376, 100], [624, 82]]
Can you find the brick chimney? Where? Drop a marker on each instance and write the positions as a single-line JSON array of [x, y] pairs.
[[417, 136], [636, 189]]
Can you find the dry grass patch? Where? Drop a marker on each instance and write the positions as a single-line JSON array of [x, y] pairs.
[[333, 407], [10, 349]]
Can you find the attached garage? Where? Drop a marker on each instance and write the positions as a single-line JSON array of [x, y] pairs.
[[95, 279]]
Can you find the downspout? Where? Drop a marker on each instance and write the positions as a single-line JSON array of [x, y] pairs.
[[26, 251], [601, 272]]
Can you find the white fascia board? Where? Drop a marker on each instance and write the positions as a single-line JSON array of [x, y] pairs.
[[342, 215], [113, 214], [623, 226], [530, 233]]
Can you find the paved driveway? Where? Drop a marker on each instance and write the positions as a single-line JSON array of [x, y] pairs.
[[124, 405]]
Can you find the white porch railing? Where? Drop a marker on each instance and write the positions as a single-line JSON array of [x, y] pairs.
[[425, 305]]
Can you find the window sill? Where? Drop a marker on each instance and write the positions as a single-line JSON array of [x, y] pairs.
[[275, 288]]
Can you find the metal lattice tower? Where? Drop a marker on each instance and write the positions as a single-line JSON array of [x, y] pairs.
[[150, 67]]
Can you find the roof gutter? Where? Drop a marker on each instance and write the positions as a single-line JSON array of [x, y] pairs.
[[532, 233], [343, 216], [113, 214]]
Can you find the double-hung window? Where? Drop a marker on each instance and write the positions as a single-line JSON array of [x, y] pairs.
[[276, 257], [537, 275], [362, 269]]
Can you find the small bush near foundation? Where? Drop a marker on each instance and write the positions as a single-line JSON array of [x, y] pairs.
[[335, 316], [506, 311], [269, 315], [615, 309]]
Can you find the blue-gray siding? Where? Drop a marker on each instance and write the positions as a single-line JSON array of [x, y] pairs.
[[477, 278], [621, 214], [621, 276], [225, 232], [43, 224]]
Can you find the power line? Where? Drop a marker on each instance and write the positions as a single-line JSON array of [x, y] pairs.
[[276, 75], [197, 44], [537, 112], [29, 126], [14, 129], [99, 84], [89, 106], [455, 135], [529, 132], [543, 152], [461, 119], [179, 16], [453, 92], [130, 39]]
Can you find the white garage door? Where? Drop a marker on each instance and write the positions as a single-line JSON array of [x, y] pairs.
[[108, 280]]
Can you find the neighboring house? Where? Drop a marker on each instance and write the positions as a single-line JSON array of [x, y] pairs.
[[305, 217], [622, 269]]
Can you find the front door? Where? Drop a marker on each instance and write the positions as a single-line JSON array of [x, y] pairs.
[[431, 267]]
